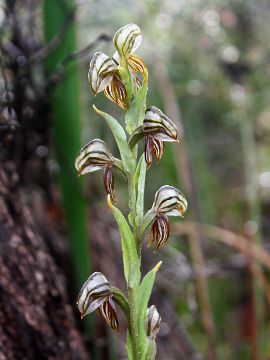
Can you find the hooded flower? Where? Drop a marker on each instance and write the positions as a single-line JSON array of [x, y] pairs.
[[153, 322], [104, 74], [168, 201], [95, 156], [157, 128], [96, 293]]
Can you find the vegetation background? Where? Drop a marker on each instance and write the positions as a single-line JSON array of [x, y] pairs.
[[209, 72]]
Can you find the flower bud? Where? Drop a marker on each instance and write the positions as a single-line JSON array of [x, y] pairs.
[[93, 156], [170, 201], [153, 322], [159, 126], [96, 293], [101, 71], [127, 39]]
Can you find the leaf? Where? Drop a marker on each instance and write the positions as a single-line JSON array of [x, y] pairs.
[[144, 293], [129, 249], [140, 186], [120, 138], [135, 113]]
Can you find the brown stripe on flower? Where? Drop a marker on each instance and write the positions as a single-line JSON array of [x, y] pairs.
[[170, 200], [116, 92], [101, 70], [137, 64], [108, 179], [160, 231], [127, 39], [159, 125], [93, 156], [107, 310], [96, 293], [152, 145]]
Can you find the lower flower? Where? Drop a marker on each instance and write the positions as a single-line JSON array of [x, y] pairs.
[[96, 293]]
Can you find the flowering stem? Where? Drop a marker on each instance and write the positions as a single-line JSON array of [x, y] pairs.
[[133, 290], [133, 326], [118, 78]]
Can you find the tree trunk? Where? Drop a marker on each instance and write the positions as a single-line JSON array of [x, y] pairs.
[[36, 317], [36, 320]]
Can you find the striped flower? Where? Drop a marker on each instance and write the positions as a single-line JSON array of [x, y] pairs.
[[96, 293], [157, 128], [127, 40], [95, 156], [104, 74], [153, 322], [168, 201], [101, 71]]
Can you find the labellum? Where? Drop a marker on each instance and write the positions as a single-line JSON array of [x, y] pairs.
[[116, 92], [155, 146], [108, 179], [160, 231]]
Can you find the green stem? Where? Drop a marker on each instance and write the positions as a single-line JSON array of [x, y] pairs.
[[133, 325], [133, 291]]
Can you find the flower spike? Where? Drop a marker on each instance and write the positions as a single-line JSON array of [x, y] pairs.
[[153, 322], [96, 293]]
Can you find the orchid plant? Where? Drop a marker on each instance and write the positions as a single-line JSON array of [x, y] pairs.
[[124, 80]]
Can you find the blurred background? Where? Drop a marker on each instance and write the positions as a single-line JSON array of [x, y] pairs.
[[209, 71]]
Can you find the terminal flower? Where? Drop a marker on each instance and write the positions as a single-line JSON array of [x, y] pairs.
[[105, 73]]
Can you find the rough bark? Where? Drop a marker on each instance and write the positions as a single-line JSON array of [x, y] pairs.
[[36, 320]]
